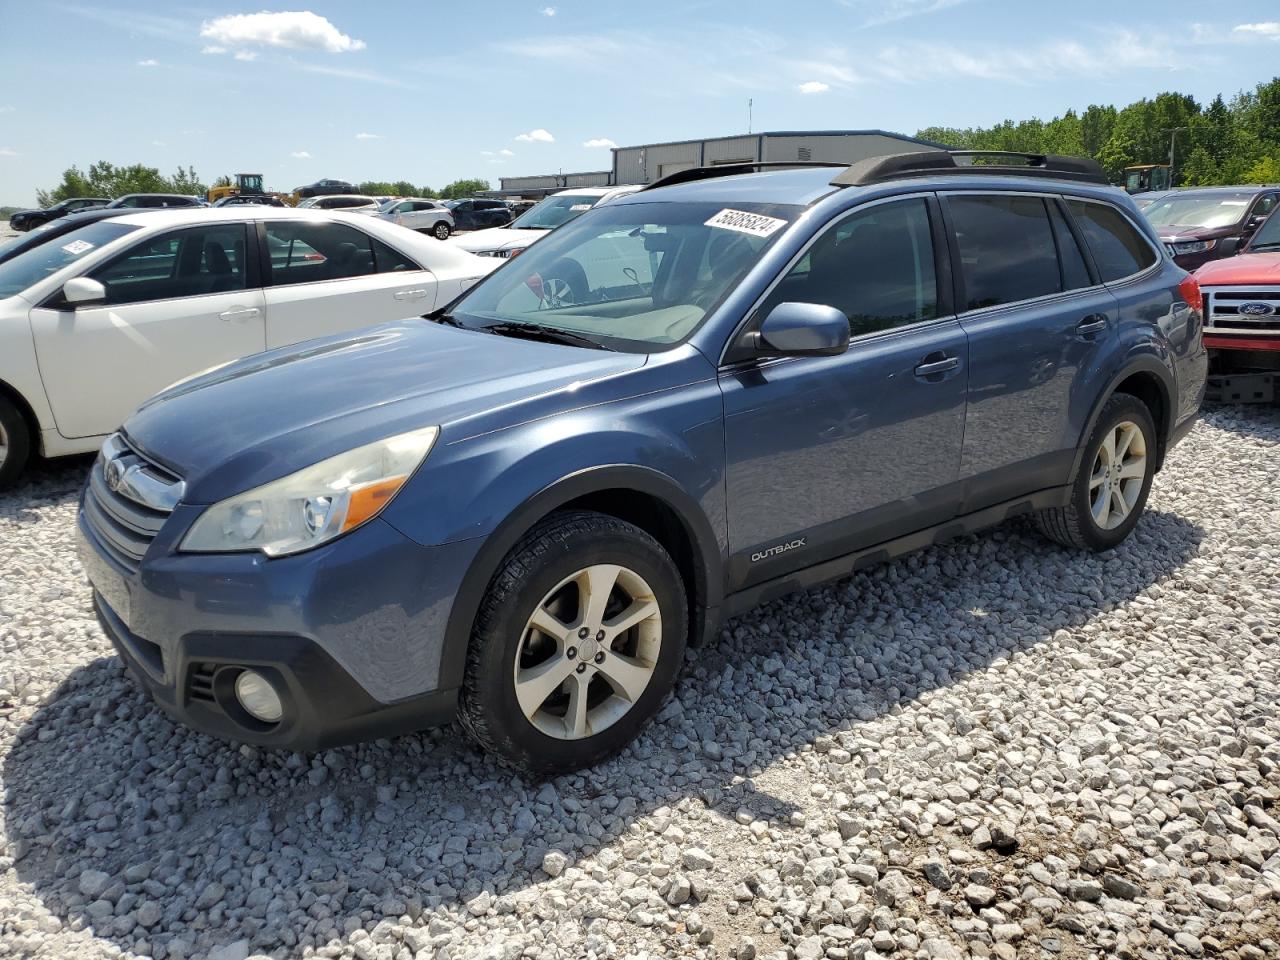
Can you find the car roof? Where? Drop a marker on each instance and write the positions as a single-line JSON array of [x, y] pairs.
[[584, 192], [1235, 191], [186, 216]]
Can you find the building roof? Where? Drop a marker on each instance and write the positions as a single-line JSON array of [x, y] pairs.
[[792, 133]]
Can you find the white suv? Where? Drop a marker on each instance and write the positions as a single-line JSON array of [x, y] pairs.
[[425, 216], [538, 220], [96, 320]]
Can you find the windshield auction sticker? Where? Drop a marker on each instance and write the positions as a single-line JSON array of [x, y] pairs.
[[77, 246], [754, 224]]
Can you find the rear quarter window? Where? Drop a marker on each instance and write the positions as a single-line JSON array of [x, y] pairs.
[[1119, 249]]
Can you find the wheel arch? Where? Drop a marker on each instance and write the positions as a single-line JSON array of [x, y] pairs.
[[1151, 382], [28, 414], [640, 495]]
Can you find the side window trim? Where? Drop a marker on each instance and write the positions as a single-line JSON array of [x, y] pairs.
[[1160, 253], [944, 299], [1095, 276]]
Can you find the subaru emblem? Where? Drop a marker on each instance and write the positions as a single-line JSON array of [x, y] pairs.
[[113, 473], [1256, 309]]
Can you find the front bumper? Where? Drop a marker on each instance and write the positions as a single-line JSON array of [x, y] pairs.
[[350, 634]]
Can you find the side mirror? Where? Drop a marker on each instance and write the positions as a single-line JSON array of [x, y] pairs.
[[1229, 246], [1253, 223], [800, 330], [83, 290]]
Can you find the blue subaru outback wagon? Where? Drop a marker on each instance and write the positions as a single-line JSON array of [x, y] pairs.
[[739, 382]]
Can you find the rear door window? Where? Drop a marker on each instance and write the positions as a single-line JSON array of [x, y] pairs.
[[306, 252], [1118, 248], [1007, 249]]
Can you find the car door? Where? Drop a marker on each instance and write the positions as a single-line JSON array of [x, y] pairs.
[[325, 277], [1039, 324], [176, 303], [826, 455], [464, 217]]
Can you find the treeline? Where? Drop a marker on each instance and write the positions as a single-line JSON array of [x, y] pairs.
[[1227, 141], [105, 179]]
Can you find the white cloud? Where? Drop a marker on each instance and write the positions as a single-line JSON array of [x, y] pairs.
[[814, 86], [536, 136], [157, 143], [8, 152], [300, 155], [548, 11], [295, 30], [507, 153], [364, 76], [890, 11], [599, 142], [368, 136], [7, 108], [148, 63], [1267, 29], [213, 49], [246, 55]]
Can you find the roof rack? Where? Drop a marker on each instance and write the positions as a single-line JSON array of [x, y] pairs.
[[732, 169], [928, 163]]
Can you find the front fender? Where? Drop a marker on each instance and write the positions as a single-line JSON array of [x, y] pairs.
[[667, 445]]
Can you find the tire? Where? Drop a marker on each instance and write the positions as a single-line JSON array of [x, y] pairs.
[[1086, 523], [441, 231], [541, 575], [15, 443]]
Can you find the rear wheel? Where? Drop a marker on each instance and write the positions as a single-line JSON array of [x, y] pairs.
[[1110, 491], [576, 644], [15, 443], [441, 231]]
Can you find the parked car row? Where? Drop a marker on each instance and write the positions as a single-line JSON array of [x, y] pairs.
[[520, 509], [512, 238], [24, 220]]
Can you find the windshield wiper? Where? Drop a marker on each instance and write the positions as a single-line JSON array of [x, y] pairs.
[[447, 319], [533, 331]]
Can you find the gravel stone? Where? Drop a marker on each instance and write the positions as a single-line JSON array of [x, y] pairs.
[[992, 748]]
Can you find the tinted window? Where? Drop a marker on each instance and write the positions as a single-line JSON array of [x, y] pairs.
[[33, 265], [1075, 275], [1007, 250], [312, 252], [191, 262], [876, 266], [1118, 249]]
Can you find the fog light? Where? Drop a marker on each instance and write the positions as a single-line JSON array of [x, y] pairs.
[[258, 697]]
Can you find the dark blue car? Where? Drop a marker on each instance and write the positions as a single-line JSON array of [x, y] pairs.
[[734, 384]]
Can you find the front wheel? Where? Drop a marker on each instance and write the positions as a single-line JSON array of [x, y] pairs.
[[576, 644], [1111, 488], [15, 443]]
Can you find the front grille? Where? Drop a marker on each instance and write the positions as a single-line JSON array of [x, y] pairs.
[[126, 511], [1232, 310]]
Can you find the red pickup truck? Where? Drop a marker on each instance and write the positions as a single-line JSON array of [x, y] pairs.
[[1242, 317]]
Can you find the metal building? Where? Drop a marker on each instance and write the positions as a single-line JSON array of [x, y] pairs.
[[651, 161]]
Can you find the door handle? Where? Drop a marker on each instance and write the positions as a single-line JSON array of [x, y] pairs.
[[411, 294], [239, 314], [928, 367], [1093, 323]]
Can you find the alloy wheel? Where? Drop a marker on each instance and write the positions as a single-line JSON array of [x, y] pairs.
[[1119, 470], [588, 652]]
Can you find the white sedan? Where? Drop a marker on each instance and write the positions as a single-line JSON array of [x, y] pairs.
[[95, 321]]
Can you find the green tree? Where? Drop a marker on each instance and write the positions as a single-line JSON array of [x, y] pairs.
[[105, 179], [464, 188]]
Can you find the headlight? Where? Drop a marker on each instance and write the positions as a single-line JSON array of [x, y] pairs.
[[1193, 246], [315, 505]]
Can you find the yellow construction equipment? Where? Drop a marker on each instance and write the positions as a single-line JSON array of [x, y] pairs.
[[248, 184]]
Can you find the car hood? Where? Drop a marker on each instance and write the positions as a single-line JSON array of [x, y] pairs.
[[1176, 233], [254, 420], [1245, 268], [496, 238]]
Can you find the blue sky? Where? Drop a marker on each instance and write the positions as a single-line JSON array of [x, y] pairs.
[[431, 91]]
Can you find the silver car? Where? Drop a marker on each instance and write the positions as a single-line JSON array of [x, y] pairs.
[[416, 213]]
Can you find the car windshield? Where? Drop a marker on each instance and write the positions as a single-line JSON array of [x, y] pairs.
[[48, 258], [633, 276], [1207, 210], [1268, 235], [554, 211]]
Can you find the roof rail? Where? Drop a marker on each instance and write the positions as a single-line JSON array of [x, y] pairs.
[[934, 162], [732, 169]]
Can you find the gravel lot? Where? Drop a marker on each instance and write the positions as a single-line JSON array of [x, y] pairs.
[[993, 748]]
